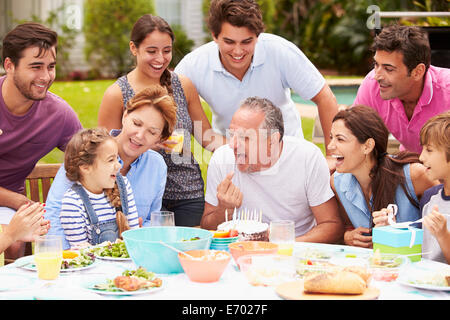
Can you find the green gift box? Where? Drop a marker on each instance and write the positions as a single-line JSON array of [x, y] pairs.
[[399, 241]]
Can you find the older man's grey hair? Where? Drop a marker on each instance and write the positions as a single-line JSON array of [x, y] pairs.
[[273, 120]]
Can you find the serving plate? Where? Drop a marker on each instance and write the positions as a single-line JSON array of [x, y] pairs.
[[420, 271], [27, 263], [113, 258], [89, 286], [107, 258], [422, 286]]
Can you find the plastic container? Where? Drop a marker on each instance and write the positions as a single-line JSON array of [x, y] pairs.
[[386, 267], [267, 270], [320, 261], [241, 248], [145, 249]]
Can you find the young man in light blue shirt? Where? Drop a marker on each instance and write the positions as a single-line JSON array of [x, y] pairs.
[[242, 62]]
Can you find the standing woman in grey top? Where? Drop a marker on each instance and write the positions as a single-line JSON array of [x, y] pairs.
[[151, 43]]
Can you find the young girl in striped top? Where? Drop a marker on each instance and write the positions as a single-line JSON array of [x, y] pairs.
[[100, 205]]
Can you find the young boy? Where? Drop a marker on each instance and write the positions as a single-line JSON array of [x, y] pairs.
[[435, 203]]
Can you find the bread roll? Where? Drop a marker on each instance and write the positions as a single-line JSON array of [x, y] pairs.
[[361, 271], [342, 282]]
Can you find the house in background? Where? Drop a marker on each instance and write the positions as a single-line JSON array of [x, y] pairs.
[[187, 13]]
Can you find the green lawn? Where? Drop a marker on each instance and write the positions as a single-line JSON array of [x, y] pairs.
[[85, 98]]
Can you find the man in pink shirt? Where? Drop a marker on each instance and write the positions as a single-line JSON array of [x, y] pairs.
[[403, 87], [33, 121]]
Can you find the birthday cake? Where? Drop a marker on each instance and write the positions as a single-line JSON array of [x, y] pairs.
[[248, 230]]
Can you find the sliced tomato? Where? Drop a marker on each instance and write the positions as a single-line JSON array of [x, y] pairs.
[[233, 233]]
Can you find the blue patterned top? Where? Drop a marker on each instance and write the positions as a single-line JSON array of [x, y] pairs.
[[184, 179]]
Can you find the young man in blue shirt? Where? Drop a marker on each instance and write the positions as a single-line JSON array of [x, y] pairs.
[[242, 61]]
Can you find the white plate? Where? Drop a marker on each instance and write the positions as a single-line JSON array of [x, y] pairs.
[[27, 263], [14, 281], [421, 269], [334, 250], [422, 286], [112, 258], [101, 245], [88, 285]]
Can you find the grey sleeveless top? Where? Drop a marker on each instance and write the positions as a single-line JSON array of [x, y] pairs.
[[184, 179]]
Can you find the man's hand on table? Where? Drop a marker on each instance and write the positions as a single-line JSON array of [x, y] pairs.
[[357, 237]]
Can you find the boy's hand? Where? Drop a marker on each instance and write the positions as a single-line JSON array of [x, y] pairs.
[[435, 222]]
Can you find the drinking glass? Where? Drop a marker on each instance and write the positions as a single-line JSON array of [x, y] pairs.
[[282, 232], [48, 257], [178, 137], [162, 218]]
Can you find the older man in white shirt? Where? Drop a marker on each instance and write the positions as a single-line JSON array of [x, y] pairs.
[[261, 169]]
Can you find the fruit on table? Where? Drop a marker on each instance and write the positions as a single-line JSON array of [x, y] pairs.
[[67, 254], [234, 233], [221, 234]]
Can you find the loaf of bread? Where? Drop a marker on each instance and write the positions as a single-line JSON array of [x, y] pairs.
[[361, 271], [340, 282]]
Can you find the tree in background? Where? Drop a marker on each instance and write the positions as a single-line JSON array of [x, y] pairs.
[[333, 34], [56, 21], [182, 45], [107, 28]]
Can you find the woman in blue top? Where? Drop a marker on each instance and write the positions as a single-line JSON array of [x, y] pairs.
[[149, 118], [367, 179], [152, 43]]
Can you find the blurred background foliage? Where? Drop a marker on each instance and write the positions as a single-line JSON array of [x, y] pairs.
[[66, 36], [107, 28], [333, 33], [182, 45]]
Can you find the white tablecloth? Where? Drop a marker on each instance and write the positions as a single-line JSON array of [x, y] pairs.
[[232, 286]]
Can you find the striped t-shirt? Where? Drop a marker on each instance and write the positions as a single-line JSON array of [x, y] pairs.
[[74, 218]]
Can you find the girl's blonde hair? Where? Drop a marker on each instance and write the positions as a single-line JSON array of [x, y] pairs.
[[436, 131], [156, 96], [82, 149]]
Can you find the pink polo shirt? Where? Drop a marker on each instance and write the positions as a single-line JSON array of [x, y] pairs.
[[434, 100]]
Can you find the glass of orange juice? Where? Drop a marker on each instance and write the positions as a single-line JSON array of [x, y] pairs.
[[48, 257], [178, 137], [282, 232]]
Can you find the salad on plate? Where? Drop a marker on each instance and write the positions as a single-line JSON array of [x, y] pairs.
[[130, 282], [426, 276], [111, 250], [73, 260]]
